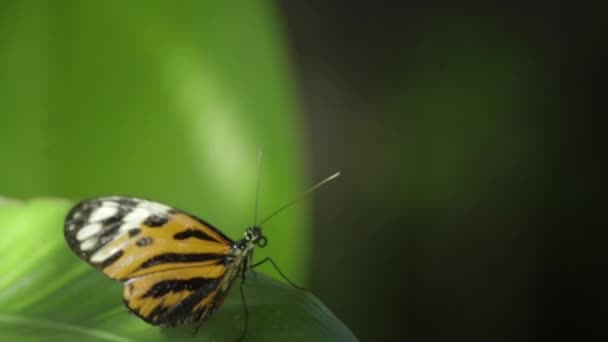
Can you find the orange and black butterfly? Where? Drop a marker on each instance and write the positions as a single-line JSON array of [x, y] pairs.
[[176, 268]]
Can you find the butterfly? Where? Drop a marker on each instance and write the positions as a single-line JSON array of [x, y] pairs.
[[176, 268]]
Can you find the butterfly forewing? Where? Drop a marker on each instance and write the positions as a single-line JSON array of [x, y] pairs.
[[173, 264]]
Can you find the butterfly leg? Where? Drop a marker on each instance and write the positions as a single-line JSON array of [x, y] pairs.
[[278, 270], [244, 304], [197, 324], [248, 266]]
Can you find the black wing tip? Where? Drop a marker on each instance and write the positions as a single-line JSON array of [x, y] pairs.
[[71, 223], [85, 205]]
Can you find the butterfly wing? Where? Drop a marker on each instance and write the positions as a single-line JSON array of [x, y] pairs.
[[173, 264], [170, 298]]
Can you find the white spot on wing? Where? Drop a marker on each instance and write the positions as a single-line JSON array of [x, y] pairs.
[[126, 227], [88, 231], [134, 219], [88, 244], [102, 213], [154, 208], [103, 254]]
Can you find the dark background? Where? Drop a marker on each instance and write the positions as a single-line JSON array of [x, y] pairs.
[[472, 202]]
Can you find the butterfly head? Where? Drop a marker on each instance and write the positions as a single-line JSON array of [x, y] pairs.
[[254, 235]]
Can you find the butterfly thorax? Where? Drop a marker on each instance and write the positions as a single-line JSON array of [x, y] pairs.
[[241, 254]]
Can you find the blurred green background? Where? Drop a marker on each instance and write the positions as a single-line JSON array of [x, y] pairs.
[[471, 203], [158, 101]]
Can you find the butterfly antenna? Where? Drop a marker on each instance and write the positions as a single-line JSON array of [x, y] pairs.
[[257, 187], [299, 197]]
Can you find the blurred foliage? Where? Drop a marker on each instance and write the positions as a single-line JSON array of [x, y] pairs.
[[160, 101], [47, 293]]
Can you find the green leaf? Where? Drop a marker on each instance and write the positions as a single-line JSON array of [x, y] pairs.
[[155, 100], [47, 293]]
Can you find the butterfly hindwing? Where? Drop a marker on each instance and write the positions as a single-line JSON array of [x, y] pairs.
[[172, 298], [173, 264]]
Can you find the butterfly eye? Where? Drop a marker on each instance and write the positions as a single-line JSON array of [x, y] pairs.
[[262, 241]]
